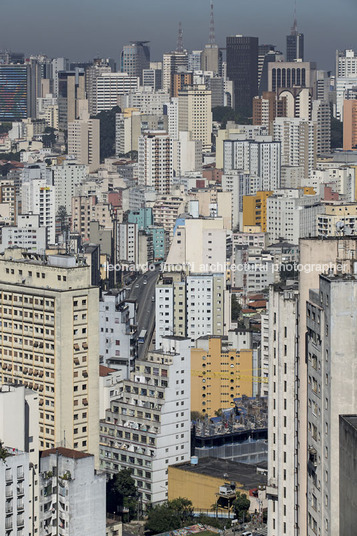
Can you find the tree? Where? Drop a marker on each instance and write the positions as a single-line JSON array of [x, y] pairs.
[[49, 137], [4, 453], [236, 309], [12, 157], [223, 114], [107, 132], [162, 519], [63, 219], [169, 516], [184, 509], [241, 505], [122, 493], [5, 127], [196, 416]]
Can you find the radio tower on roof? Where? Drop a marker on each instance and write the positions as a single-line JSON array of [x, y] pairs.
[[212, 35], [179, 47], [294, 26]]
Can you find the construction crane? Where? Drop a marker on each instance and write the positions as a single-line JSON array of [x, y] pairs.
[[228, 376]]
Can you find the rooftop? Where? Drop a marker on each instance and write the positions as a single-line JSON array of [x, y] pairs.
[[227, 471], [105, 371], [67, 453]]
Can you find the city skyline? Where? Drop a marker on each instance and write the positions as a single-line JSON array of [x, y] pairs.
[[64, 35]]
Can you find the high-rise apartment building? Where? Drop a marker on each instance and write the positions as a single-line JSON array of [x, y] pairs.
[[242, 69], [134, 58], [260, 157], [195, 115], [49, 342], [346, 63], [266, 108], [108, 87], [84, 141], [173, 62], [72, 497], [298, 142], [219, 374], [349, 125], [155, 161], [71, 90], [211, 59], [147, 427], [292, 215], [26, 235], [99, 66], [330, 350], [191, 306], [282, 320], [66, 177], [19, 482], [321, 116], [313, 254], [38, 197]]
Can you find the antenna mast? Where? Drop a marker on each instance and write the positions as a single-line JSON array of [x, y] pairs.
[[212, 34], [179, 47], [294, 27]]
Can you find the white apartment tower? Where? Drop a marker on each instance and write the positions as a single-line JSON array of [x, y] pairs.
[[155, 161], [38, 197], [282, 322], [298, 142], [108, 87], [331, 392], [260, 157], [19, 431], [147, 428], [49, 343], [321, 115], [65, 179], [72, 497], [346, 64]]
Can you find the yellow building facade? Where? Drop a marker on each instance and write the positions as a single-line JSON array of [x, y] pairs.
[[255, 210], [201, 483], [219, 375]]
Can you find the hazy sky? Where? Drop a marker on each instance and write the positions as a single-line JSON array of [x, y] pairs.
[[83, 29]]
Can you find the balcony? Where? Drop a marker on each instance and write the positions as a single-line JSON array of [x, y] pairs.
[[20, 473], [8, 524], [271, 490], [9, 508], [20, 521], [9, 492]]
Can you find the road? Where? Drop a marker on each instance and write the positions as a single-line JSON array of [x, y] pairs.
[[143, 294]]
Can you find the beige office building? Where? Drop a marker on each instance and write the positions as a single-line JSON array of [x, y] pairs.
[[195, 115], [84, 141], [49, 343]]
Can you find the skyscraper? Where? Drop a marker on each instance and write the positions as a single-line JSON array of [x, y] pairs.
[[155, 161], [53, 345], [14, 92], [242, 69], [71, 89], [134, 58], [295, 44], [194, 114]]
